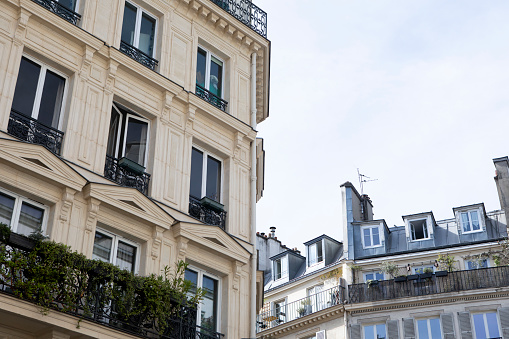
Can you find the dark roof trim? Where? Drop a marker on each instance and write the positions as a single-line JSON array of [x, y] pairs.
[[323, 236], [501, 159], [282, 254]]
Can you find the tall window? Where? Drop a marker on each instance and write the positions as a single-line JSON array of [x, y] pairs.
[[315, 253], [280, 311], [318, 299], [373, 276], [69, 4], [207, 311], [39, 92], [419, 229], [205, 176], [20, 214], [470, 221], [486, 325], [429, 328], [209, 72], [281, 268], [371, 236], [128, 135], [138, 29], [374, 331], [116, 250]]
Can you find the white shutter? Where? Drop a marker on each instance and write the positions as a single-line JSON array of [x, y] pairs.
[[447, 321], [409, 328], [320, 335], [392, 329], [465, 325], [503, 314], [355, 331]]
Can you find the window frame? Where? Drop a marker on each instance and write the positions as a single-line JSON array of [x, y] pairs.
[[76, 6], [371, 227], [374, 275], [468, 262], [411, 229], [375, 331], [280, 260], [283, 308], [467, 212], [18, 203], [207, 154], [208, 60], [40, 87], [485, 321], [137, 27], [428, 326], [115, 240], [322, 256], [422, 268]]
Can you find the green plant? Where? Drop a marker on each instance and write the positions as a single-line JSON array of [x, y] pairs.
[[305, 302], [335, 275], [427, 270], [354, 268], [445, 262], [5, 232], [389, 267]]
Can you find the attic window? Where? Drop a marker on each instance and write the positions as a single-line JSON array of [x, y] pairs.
[[419, 229], [280, 268], [470, 221], [315, 253]]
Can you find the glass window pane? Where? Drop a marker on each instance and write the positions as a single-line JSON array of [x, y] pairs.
[[126, 256], [376, 236], [26, 86], [380, 331], [196, 173], [379, 276], [102, 247], [369, 276], [111, 148], [465, 222], [192, 276], [213, 179], [216, 77], [312, 254], [136, 141], [367, 237], [201, 67], [51, 100], [475, 221], [6, 208], [436, 332], [30, 219], [70, 4], [369, 332], [480, 331], [491, 320], [422, 329], [209, 304], [147, 34], [284, 266], [319, 251], [129, 24]]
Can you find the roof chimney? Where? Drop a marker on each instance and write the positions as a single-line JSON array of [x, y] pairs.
[[273, 231]]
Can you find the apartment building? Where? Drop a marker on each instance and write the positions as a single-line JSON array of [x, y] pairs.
[[128, 132]]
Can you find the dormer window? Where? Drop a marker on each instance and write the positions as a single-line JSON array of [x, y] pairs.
[[281, 268], [370, 236], [419, 229], [470, 221], [315, 253]]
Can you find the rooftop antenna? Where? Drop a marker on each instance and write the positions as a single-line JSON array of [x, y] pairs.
[[362, 179]]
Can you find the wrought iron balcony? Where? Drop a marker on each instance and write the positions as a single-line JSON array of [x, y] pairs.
[[211, 98], [60, 10], [32, 131], [126, 176], [138, 55], [452, 282], [297, 309], [206, 214], [247, 13]]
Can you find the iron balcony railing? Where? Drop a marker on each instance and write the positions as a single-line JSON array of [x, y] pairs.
[[247, 13], [61, 11], [206, 214], [91, 297], [211, 98], [125, 176], [32, 131], [452, 282], [279, 314], [138, 55]]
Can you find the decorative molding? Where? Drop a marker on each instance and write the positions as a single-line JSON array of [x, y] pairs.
[[181, 248], [167, 107], [67, 201], [19, 33], [93, 211], [157, 240], [237, 266], [110, 78]]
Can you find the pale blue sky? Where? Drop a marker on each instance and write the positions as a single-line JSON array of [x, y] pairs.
[[414, 93]]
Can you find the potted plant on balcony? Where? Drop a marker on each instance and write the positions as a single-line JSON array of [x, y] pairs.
[[412, 277], [390, 268], [426, 273], [131, 165], [445, 262], [371, 282], [400, 278], [306, 307]]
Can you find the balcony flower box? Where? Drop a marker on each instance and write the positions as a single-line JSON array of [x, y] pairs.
[[212, 204], [21, 242], [400, 278], [131, 165], [441, 273], [412, 277], [425, 275]]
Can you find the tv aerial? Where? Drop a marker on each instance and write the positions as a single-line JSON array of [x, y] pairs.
[[362, 179]]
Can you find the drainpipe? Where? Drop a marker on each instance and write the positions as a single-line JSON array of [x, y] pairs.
[[253, 198]]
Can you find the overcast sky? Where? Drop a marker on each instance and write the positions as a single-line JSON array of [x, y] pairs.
[[413, 93]]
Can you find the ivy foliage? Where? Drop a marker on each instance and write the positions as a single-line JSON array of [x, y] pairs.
[[54, 277]]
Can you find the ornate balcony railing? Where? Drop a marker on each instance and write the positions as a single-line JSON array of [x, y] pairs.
[[89, 291], [452, 282], [138, 55], [60, 10], [32, 131], [247, 13], [125, 176], [297, 309], [206, 214], [211, 98]]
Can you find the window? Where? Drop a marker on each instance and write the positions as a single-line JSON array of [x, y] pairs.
[[39, 93], [470, 221], [205, 176], [318, 300], [138, 29], [23, 216], [374, 331], [486, 325], [279, 311], [429, 329], [69, 4], [128, 135], [419, 229], [475, 264], [207, 311], [370, 236], [421, 269], [281, 268], [373, 276], [209, 72], [315, 253], [116, 250]]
